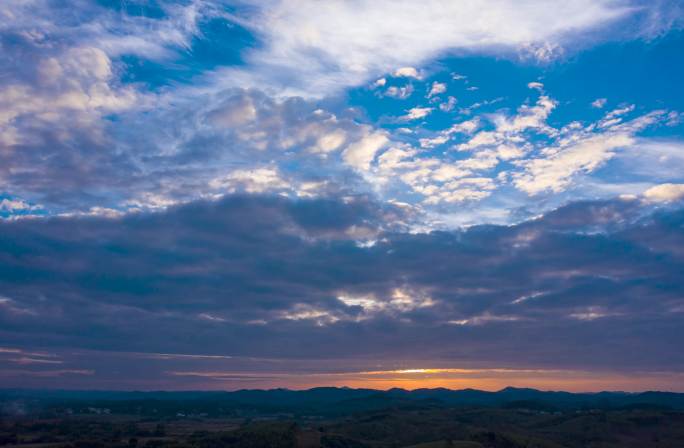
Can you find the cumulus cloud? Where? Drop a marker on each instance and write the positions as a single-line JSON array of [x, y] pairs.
[[400, 93], [407, 72], [61, 76], [62, 93], [437, 89], [543, 158], [665, 193], [538, 157], [203, 154], [416, 113], [379, 83], [360, 154], [76, 83], [528, 117]]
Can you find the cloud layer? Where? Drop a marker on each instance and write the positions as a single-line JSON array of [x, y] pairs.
[[594, 285], [224, 189]]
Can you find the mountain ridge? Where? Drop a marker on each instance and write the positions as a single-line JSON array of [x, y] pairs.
[[339, 399]]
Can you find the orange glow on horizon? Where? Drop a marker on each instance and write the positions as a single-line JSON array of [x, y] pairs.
[[450, 378]]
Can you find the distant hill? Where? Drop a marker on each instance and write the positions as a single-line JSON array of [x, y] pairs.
[[331, 400]]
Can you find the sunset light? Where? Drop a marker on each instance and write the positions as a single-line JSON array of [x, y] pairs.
[[341, 223]]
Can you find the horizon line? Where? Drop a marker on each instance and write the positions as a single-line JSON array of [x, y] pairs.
[[2, 389]]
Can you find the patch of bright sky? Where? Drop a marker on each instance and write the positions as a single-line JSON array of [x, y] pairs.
[[484, 79], [647, 74], [643, 74]]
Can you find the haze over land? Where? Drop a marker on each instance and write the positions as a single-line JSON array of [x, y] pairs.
[[225, 195]]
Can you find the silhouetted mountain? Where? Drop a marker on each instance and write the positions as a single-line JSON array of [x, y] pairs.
[[334, 401]]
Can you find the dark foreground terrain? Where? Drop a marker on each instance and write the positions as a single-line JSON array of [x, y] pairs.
[[340, 418]]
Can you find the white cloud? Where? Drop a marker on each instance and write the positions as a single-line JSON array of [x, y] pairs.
[[664, 193], [66, 79], [400, 93], [599, 103], [256, 180], [360, 307], [16, 205], [483, 160], [528, 117], [361, 153], [432, 142], [297, 44], [437, 181], [394, 158], [555, 173], [417, 113], [615, 116], [580, 150], [449, 105], [449, 172], [407, 72], [619, 111], [436, 89], [483, 138], [238, 110], [331, 141], [145, 201], [304, 311], [112, 32], [541, 51], [78, 83], [509, 129], [463, 127], [400, 300], [509, 152], [379, 83], [466, 189], [526, 297]]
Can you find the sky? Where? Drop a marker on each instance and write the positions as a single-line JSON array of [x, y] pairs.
[[218, 195]]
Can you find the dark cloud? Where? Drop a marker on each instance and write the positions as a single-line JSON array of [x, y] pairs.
[[264, 277]]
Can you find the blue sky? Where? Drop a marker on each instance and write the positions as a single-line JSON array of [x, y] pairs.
[[114, 75], [486, 133]]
